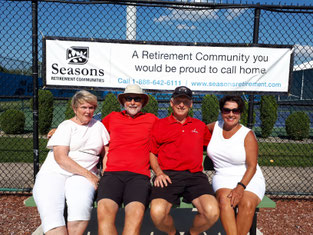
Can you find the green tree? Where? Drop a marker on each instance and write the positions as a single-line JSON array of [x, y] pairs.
[[69, 112], [268, 114], [110, 104], [298, 125], [244, 116], [152, 106], [210, 108], [45, 110], [3, 70], [12, 121]]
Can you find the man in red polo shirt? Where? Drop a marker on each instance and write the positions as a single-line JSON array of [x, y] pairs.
[[176, 158], [126, 178]]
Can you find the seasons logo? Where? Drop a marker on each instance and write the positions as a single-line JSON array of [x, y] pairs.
[[77, 55]]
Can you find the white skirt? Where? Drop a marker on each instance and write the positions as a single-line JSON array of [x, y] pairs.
[[256, 184]]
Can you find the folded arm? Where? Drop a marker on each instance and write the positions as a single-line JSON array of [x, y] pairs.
[[68, 164]]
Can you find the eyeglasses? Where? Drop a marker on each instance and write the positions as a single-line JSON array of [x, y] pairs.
[[130, 98], [227, 111]]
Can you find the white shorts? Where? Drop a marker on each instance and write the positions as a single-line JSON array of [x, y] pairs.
[[51, 190]]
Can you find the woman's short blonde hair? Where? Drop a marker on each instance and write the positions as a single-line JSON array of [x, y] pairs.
[[84, 96]]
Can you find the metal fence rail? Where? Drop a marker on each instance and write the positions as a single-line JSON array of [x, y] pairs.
[[286, 163]]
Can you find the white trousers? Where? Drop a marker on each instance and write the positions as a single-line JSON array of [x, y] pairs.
[[50, 192]]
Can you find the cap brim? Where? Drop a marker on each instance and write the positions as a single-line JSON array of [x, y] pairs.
[[181, 95]]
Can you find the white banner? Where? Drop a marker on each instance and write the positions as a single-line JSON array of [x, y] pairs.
[[164, 67]]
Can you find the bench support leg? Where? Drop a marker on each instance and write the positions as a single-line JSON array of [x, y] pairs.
[[254, 222]]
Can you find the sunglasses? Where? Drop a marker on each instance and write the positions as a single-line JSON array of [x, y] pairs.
[[227, 111], [130, 98], [186, 102]]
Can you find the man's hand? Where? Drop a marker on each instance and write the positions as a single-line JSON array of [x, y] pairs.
[[162, 180], [51, 132]]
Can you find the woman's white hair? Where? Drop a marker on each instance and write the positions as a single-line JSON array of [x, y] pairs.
[[84, 96]]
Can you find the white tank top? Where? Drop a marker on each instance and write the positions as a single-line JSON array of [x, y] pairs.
[[228, 155]]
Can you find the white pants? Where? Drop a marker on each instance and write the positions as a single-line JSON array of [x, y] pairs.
[[51, 190]]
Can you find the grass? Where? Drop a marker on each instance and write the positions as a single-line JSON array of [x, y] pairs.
[[286, 154], [285, 149], [17, 149], [18, 104], [286, 161]]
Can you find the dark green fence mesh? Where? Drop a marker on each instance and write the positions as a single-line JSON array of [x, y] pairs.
[[286, 161]]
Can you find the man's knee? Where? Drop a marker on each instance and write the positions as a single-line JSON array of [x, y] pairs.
[[213, 213], [135, 211], [106, 208], [210, 208], [158, 211]]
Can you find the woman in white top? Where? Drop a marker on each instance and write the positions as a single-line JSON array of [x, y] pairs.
[[70, 169], [238, 180]]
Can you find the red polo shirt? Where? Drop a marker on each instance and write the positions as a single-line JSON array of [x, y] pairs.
[[180, 146], [129, 141]]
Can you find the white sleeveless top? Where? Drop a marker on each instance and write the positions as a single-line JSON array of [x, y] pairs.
[[85, 144], [229, 159]]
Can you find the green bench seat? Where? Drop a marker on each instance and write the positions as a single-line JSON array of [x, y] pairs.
[[30, 202], [265, 203]]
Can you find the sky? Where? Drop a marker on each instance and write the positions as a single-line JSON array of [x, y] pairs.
[[154, 24]]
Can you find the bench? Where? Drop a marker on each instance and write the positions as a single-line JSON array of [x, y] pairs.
[[265, 203]]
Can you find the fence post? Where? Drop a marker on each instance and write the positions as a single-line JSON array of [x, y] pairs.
[[257, 13], [131, 22], [35, 85]]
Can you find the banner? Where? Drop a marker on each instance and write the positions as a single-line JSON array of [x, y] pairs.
[[112, 64]]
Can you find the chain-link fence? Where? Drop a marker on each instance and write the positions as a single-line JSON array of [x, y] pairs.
[[285, 158]]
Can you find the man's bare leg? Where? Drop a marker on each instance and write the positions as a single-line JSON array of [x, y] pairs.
[[134, 213], [208, 213], [107, 210], [160, 215]]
